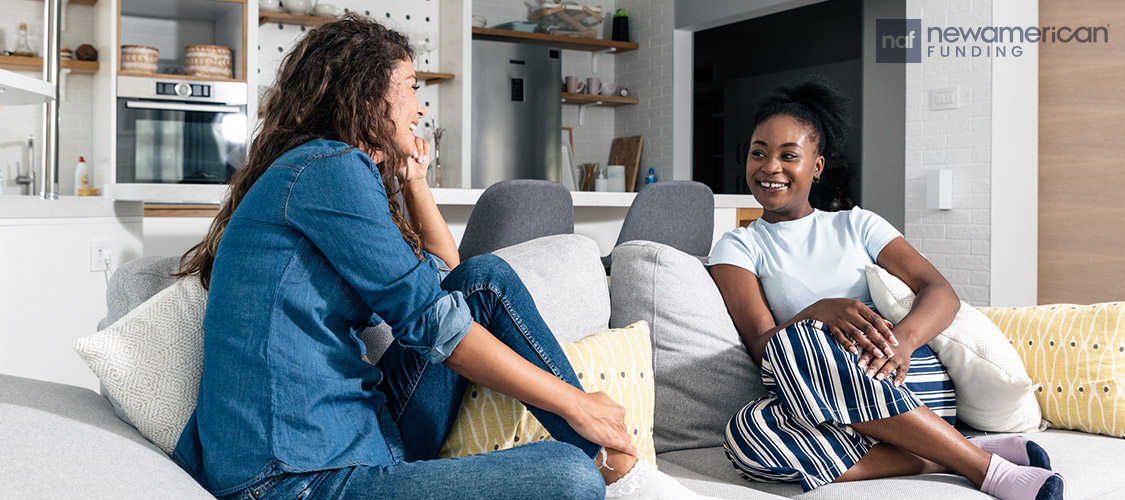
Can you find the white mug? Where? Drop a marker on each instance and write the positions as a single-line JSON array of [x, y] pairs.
[[609, 88], [574, 85], [615, 175]]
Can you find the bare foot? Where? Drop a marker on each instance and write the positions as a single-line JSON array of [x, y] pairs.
[[617, 464]]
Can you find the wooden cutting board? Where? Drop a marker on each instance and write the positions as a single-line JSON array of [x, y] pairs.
[[627, 151]]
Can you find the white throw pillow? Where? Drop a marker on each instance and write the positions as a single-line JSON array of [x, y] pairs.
[[994, 392], [150, 361]]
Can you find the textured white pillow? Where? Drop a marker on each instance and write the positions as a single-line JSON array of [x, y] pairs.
[[150, 360], [994, 392]]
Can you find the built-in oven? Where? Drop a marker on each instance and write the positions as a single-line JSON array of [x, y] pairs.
[[169, 131]]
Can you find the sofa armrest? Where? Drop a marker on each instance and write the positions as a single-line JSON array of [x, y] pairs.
[[62, 441]]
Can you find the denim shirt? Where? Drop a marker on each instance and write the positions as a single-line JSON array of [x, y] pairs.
[[309, 259]]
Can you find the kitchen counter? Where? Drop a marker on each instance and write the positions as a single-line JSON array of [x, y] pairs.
[[34, 207], [213, 194]]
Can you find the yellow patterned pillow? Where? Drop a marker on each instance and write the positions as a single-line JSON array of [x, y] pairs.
[[616, 361], [1076, 353]]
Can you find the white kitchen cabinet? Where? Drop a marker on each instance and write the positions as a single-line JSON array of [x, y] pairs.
[[48, 295]]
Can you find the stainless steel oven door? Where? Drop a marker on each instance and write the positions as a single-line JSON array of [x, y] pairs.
[[179, 142]]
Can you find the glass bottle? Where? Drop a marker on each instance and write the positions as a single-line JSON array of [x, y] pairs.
[[434, 174], [23, 48]]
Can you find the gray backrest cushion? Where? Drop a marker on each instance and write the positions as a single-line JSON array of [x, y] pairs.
[[61, 441], [566, 279], [680, 214], [514, 211], [703, 373], [135, 282]]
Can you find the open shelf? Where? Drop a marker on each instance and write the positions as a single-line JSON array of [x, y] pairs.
[[179, 77], [431, 78], [600, 100], [564, 42], [16, 89], [20, 63], [265, 16], [81, 2]]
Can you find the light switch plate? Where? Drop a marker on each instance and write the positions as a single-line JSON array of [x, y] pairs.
[[946, 98]]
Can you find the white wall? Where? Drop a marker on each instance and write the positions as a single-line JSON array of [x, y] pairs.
[[1014, 194], [48, 295], [956, 241], [17, 122], [647, 72]]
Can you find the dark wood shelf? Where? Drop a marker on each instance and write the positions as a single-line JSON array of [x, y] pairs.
[[265, 17], [21, 63], [563, 42], [600, 100]]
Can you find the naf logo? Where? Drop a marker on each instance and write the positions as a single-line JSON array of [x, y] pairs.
[[898, 40]]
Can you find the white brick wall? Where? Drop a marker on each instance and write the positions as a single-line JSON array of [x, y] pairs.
[[647, 72], [17, 122], [956, 241]]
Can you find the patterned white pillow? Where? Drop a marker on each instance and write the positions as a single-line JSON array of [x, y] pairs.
[[994, 392], [150, 361]]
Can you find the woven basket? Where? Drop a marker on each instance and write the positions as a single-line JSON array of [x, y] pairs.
[[213, 61], [138, 58]]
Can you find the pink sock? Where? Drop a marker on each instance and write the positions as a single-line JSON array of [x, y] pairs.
[[1016, 449], [1008, 481]]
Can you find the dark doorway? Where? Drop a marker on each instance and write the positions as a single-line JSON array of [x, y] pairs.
[[737, 63]]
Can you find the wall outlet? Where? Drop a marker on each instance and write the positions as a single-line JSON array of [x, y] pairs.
[[100, 256], [946, 98]]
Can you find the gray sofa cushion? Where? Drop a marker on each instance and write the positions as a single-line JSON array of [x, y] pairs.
[[565, 277], [61, 441], [704, 372], [134, 282]]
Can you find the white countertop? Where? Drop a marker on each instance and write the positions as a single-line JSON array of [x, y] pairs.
[[196, 193], [34, 207]]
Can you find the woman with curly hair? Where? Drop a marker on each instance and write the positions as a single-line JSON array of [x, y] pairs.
[[851, 396], [310, 247]]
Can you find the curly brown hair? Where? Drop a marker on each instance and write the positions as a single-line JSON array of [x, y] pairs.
[[332, 85]]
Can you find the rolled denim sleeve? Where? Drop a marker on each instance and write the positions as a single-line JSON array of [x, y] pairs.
[[339, 203]]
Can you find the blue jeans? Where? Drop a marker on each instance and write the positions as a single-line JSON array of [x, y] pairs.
[[424, 399]]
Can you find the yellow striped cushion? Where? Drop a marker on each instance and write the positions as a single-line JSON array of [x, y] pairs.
[[1076, 353], [616, 361]]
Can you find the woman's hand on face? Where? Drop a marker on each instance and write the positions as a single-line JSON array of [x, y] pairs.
[[602, 421], [853, 324], [417, 163]]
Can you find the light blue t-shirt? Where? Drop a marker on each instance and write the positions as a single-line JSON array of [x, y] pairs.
[[799, 262]]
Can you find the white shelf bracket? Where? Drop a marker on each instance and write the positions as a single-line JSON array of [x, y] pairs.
[[64, 76], [594, 57], [582, 111]]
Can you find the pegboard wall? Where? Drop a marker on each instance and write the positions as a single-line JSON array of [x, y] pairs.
[[417, 19]]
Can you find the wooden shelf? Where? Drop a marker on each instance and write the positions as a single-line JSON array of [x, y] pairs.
[[180, 210], [20, 63], [429, 77], [265, 17], [599, 100], [563, 42], [179, 77], [81, 2]]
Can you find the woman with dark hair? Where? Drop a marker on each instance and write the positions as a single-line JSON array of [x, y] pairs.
[[851, 396], [310, 247]]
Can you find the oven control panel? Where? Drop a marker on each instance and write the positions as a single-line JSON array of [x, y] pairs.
[[182, 89]]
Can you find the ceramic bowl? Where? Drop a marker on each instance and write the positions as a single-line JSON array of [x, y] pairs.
[[326, 9], [301, 7], [269, 5], [479, 21]]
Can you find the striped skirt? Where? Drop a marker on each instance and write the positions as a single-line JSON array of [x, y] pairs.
[[800, 432]]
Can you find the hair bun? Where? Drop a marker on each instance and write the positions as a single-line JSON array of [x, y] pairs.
[[817, 102]]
